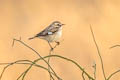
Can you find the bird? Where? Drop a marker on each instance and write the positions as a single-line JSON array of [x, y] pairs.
[[52, 33]]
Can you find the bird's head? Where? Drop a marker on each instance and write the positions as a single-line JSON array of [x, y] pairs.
[[57, 24]]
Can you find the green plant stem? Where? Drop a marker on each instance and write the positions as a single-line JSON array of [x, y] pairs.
[[58, 56], [10, 65], [94, 71], [21, 62], [102, 65], [113, 74], [83, 76], [61, 57], [51, 77], [117, 70], [114, 46], [37, 54]]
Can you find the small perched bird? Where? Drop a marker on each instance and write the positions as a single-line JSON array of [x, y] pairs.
[[51, 34]]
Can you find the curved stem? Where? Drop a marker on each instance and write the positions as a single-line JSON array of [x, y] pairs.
[[102, 65], [82, 69], [114, 46], [113, 74], [117, 70], [83, 76], [36, 53], [58, 56], [23, 62], [10, 65]]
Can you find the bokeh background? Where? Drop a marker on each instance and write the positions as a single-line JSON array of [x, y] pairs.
[[25, 18]]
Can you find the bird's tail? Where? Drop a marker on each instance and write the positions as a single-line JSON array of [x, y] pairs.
[[31, 38]]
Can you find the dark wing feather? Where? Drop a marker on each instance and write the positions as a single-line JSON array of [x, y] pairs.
[[54, 29], [47, 30]]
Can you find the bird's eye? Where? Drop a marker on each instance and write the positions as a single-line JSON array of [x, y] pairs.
[[58, 24]]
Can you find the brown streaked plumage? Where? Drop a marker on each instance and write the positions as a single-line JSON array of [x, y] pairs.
[[52, 33]]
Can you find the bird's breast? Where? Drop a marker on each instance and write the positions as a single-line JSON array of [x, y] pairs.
[[54, 37]]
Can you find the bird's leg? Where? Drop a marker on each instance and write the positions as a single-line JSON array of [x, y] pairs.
[[50, 46], [57, 43]]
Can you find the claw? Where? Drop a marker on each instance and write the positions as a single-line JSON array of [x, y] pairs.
[[58, 43]]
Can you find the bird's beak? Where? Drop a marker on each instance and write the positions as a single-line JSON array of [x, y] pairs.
[[63, 24]]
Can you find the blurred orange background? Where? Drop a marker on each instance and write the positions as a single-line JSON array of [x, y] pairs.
[[25, 18]]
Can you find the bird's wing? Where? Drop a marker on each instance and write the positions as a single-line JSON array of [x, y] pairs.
[[48, 31]]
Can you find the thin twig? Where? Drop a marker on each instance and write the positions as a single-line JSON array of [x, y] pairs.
[[94, 66], [67, 59], [51, 77], [83, 75], [21, 62], [114, 46], [62, 58], [37, 54], [10, 65], [117, 70], [102, 65], [25, 72], [113, 74]]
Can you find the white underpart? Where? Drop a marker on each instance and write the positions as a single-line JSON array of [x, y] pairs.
[[54, 37]]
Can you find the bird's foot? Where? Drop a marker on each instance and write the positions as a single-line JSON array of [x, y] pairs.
[[58, 43]]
